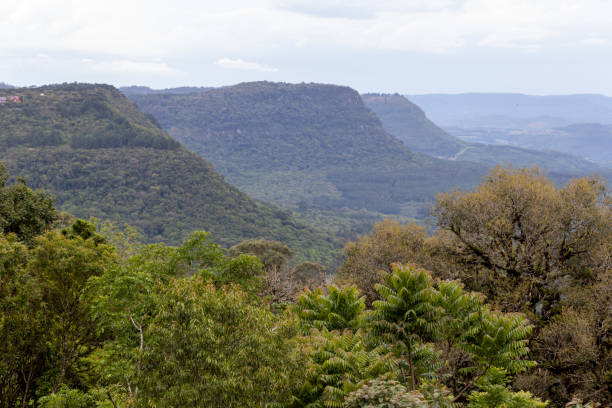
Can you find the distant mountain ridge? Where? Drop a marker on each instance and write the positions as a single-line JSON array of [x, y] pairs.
[[131, 171], [408, 122], [308, 147]]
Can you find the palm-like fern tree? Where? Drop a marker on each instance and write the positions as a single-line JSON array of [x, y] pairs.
[[339, 309], [339, 364], [408, 314]]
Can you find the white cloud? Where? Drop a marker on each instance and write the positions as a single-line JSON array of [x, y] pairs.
[[117, 28], [244, 65]]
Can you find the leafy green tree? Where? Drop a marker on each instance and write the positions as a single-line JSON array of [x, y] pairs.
[[520, 233], [75, 398], [24, 212], [125, 299], [388, 243], [212, 347], [308, 274], [273, 254], [279, 285], [23, 328], [62, 266]]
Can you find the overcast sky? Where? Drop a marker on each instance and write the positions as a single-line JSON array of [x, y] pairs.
[[406, 46]]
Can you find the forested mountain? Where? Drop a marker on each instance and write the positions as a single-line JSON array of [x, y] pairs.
[[408, 122], [307, 146], [102, 157]]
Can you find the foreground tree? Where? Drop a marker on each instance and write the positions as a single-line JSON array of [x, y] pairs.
[[24, 212], [388, 243], [518, 235], [212, 347], [529, 247]]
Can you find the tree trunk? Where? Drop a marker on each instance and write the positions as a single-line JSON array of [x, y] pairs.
[[412, 375]]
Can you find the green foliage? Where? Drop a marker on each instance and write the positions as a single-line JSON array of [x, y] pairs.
[[308, 272], [24, 212], [273, 254], [495, 394], [339, 309], [338, 364], [165, 194], [407, 315], [384, 394], [84, 230], [210, 347], [244, 270], [73, 398], [415, 310], [45, 320], [62, 266]]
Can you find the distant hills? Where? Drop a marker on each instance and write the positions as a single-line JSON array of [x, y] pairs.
[[102, 157], [589, 140], [575, 124], [505, 110], [306, 146], [4, 85], [404, 119]]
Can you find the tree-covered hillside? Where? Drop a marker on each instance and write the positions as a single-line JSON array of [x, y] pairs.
[[408, 122], [81, 115], [307, 146], [132, 171]]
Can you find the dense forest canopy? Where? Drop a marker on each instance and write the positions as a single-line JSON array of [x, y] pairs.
[[80, 115], [101, 157], [313, 148], [95, 319]]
